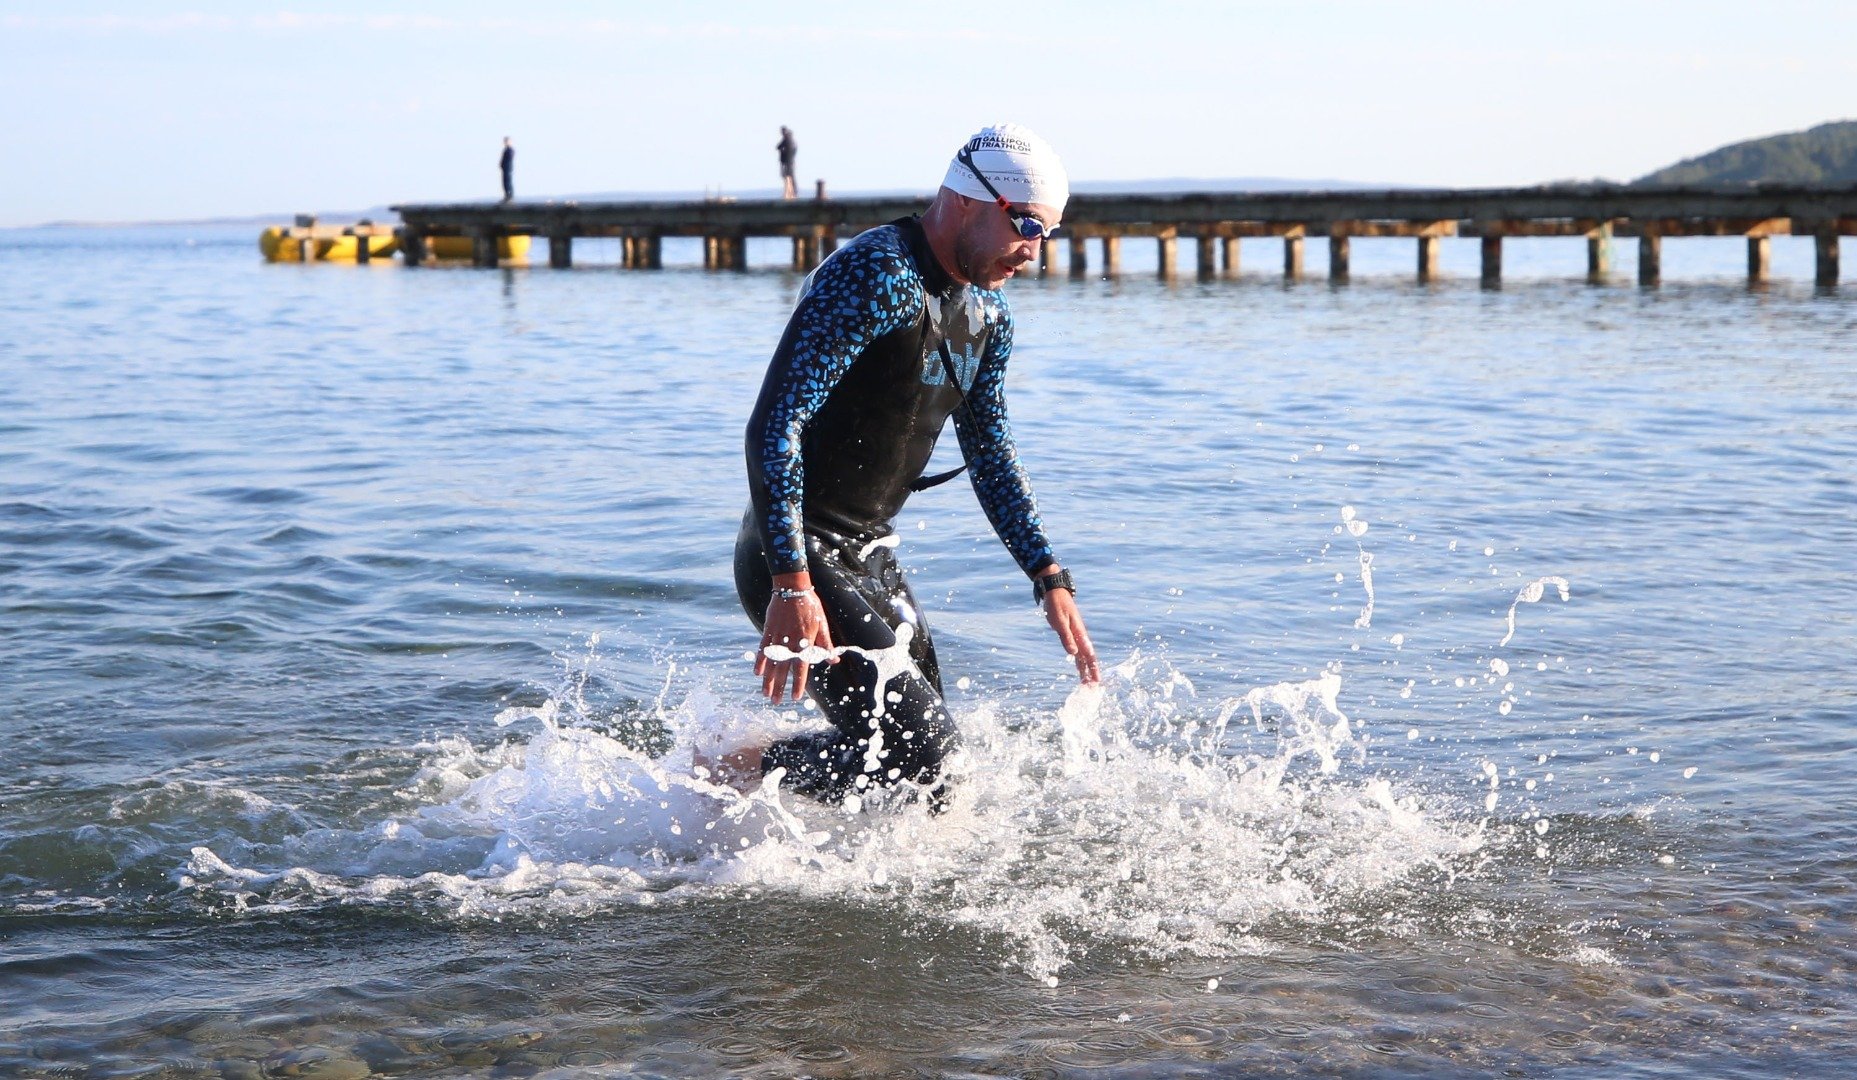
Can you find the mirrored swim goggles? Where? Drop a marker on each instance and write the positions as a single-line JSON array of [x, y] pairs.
[[1027, 225]]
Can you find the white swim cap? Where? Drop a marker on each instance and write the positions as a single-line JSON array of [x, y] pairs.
[[1020, 165]]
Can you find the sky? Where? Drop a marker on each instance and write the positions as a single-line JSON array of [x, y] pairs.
[[156, 111]]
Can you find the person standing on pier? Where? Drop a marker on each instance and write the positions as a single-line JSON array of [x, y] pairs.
[[894, 333], [508, 164], [788, 149]]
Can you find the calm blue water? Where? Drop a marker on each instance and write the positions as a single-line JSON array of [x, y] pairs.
[[356, 625]]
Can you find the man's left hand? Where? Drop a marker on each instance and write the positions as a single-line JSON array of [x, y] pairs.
[[1061, 612]]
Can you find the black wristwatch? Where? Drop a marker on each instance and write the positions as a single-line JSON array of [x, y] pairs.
[[1044, 583]]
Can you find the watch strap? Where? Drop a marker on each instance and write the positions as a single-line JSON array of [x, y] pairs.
[[1044, 583]]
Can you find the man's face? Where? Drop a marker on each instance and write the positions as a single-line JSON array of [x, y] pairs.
[[989, 250]]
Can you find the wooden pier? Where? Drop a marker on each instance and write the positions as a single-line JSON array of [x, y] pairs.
[[1215, 223]]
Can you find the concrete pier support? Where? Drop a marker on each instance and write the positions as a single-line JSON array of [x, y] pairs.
[[828, 239], [1047, 257], [735, 253], [652, 251], [363, 244], [413, 247], [483, 248], [1338, 257], [1228, 258], [628, 252], [1492, 262], [1168, 254], [709, 252], [1292, 258], [1112, 256], [1206, 257], [560, 250], [1599, 254], [1759, 259], [1650, 259], [1079, 256], [1428, 257], [1827, 245]]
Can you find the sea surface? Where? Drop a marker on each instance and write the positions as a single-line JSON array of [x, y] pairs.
[[1481, 694]]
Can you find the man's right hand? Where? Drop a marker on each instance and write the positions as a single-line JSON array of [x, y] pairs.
[[795, 625]]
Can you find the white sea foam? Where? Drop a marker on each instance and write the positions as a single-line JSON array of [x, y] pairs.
[[1139, 817]]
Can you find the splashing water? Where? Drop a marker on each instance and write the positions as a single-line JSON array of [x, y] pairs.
[[1139, 818], [1355, 527], [1532, 593]]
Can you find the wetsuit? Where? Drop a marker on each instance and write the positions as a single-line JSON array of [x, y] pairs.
[[854, 399]]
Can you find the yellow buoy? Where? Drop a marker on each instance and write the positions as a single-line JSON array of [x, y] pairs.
[[508, 248]]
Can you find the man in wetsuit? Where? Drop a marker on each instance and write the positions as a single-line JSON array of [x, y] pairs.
[[896, 331]]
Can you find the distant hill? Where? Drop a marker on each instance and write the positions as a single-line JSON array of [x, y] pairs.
[[1826, 154]]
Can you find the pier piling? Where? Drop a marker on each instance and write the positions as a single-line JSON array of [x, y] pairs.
[[1759, 259], [1112, 255], [1168, 253], [483, 248], [1492, 261], [1229, 261], [1650, 258], [1428, 258], [1292, 258], [1827, 250], [1339, 253], [1205, 257]]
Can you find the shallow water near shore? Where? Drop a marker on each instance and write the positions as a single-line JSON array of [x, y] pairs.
[[1479, 702]]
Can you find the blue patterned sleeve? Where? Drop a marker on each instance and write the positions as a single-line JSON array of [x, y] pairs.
[[1004, 489], [863, 291]]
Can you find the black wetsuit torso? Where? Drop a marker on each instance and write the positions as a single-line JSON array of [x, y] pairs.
[[847, 419]]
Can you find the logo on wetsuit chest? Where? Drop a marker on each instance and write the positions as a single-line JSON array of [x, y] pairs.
[[966, 358], [964, 321]]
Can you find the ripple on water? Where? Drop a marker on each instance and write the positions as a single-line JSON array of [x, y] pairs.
[[1188, 1036], [257, 496]]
